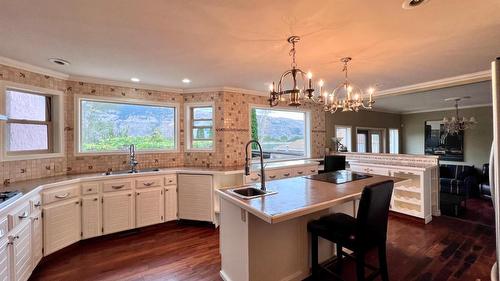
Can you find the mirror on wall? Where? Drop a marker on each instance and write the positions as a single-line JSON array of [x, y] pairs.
[[370, 140]]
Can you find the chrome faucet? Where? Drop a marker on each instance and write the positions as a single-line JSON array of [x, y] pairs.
[[133, 162], [247, 164]]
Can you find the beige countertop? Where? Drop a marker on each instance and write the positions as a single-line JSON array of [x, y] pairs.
[[300, 196]]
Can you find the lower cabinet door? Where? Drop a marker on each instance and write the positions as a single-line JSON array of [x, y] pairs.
[[117, 212], [91, 217], [36, 237], [61, 225], [170, 203], [149, 204], [21, 252], [4, 260]]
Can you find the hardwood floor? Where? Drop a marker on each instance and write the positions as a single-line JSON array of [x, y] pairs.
[[446, 249]]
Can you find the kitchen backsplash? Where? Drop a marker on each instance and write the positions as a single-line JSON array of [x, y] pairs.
[[232, 129]]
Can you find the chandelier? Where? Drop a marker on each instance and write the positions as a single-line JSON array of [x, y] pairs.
[[347, 96], [300, 83], [453, 125]]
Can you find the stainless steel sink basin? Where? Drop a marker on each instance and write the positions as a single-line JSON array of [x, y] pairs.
[[249, 192], [130, 171]]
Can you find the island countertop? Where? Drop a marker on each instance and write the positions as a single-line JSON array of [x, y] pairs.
[[300, 196]]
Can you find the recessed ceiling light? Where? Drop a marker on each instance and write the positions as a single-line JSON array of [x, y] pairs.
[[186, 81], [135, 79], [411, 4], [59, 61]]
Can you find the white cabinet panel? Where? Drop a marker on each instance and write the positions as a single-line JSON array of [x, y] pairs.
[[36, 237], [149, 206], [117, 212], [61, 225], [91, 216], [21, 252], [195, 197], [4, 260], [170, 203]]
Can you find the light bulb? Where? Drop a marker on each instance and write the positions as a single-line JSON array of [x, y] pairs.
[[271, 87], [321, 83], [371, 90], [309, 75], [349, 89]]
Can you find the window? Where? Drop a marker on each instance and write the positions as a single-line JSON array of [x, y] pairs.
[[343, 134], [394, 141], [111, 126], [361, 142], [375, 144], [200, 118], [34, 122], [29, 123], [282, 133]]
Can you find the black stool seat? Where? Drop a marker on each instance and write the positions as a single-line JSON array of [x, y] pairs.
[[368, 230], [335, 227]]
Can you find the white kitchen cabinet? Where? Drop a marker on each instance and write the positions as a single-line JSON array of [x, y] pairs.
[[195, 194], [61, 225], [91, 217], [21, 262], [117, 212], [36, 238], [170, 203], [4, 258], [149, 206]]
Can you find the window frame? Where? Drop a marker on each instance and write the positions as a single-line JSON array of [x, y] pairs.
[[397, 141], [307, 129], [189, 125], [77, 106], [383, 138], [55, 123], [349, 149]]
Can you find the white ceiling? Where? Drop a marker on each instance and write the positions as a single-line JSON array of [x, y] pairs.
[[479, 93], [242, 43]]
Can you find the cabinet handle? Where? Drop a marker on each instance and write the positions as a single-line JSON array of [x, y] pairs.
[[34, 218], [286, 175], [89, 190], [254, 179], [23, 216], [313, 171], [61, 196], [77, 203], [300, 172], [138, 193], [95, 199], [38, 204], [148, 183], [272, 177], [170, 181], [117, 186], [130, 194]]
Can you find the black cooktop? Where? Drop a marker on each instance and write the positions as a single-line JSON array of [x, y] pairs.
[[339, 177], [6, 196]]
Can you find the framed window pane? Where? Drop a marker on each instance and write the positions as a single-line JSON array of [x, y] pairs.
[[206, 123], [393, 141], [375, 138], [26, 106], [361, 142], [202, 113], [27, 137], [344, 136], [281, 133], [202, 144], [202, 133], [109, 126]]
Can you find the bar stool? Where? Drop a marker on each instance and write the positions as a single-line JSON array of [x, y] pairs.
[[334, 163], [361, 234]]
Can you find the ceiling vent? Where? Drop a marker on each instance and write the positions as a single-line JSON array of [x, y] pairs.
[[59, 61], [411, 4]]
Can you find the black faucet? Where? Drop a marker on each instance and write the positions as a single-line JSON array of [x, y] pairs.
[[247, 164]]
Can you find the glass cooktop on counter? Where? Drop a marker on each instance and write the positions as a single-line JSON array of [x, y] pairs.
[[339, 177]]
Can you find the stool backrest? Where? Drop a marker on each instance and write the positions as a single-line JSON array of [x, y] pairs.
[[373, 212], [334, 163]]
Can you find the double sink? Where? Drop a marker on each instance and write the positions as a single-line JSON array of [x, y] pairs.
[[123, 172], [250, 192]]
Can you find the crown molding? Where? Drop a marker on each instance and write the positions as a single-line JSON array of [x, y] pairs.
[[86, 79], [225, 89], [446, 108], [33, 68], [459, 80]]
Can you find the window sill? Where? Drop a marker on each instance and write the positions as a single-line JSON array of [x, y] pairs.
[[201, 150], [78, 154], [7, 158]]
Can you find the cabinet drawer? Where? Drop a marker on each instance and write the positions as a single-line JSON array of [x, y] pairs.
[[170, 179], [36, 203], [4, 228], [19, 215], [149, 182], [116, 185], [272, 175], [90, 188], [252, 178], [60, 193]]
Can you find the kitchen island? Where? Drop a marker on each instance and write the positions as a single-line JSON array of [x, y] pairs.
[[266, 238]]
